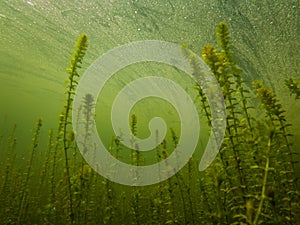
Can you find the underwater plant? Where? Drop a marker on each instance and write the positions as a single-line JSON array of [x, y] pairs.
[[250, 144], [76, 61], [293, 86], [252, 180], [23, 204]]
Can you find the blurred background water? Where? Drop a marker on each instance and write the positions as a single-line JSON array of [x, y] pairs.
[[37, 37]]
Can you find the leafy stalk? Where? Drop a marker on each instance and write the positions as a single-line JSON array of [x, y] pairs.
[[265, 179], [79, 52], [23, 206]]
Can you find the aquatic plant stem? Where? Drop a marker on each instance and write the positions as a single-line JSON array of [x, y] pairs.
[[80, 49], [24, 193], [264, 184]]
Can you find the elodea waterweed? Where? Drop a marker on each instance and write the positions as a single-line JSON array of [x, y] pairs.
[[252, 180]]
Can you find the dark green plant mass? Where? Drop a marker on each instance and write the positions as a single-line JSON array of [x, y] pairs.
[[293, 86], [252, 180]]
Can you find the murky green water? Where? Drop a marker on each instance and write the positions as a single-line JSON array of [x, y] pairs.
[[37, 36]]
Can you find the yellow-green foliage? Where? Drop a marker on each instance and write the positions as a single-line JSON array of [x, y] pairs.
[[76, 61], [252, 180], [243, 195]]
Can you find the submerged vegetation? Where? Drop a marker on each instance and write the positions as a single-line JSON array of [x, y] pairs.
[[293, 86], [252, 180]]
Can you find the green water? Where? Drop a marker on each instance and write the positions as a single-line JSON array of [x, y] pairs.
[[37, 36]]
